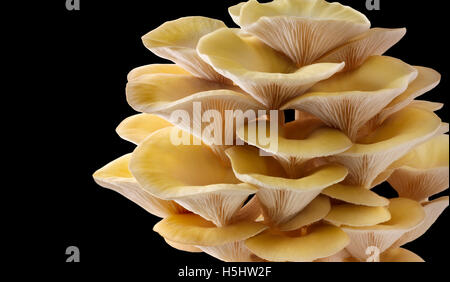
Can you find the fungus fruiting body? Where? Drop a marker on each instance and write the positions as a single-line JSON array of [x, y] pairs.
[[231, 179]]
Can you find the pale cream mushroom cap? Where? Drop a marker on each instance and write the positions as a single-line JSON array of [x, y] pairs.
[[349, 100], [304, 30], [281, 197], [137, 127], [406, 214], [423, 172], [321, 240], [177, 41], [356, 195], [373, 154], [267, 75], [117, 177], [357, 216], [190, 174], [375, 41]]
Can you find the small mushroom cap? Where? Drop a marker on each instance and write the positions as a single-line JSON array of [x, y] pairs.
[[302, 139], [303, 30], [433, 209], [137, 127], [427, 105], [117, 177], [400, 255], [177, 40], [353, 215], [405, 215], [312, 213], [321, 241], [356, 195], [266, 172], [183, 247], [155, 69], [426, 80], [192, 229], [423, 172], [235, 12]]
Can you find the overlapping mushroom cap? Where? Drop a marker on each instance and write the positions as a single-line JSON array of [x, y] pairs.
[[232, 179]]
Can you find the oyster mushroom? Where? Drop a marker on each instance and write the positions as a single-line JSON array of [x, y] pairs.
[[349, 100], [406, 214], [423, 172], [203, 185], [270, 77], [177, 41], [117, 177], [304, 30], [373, 154], [281, 198], [306, 244], [224, 242]]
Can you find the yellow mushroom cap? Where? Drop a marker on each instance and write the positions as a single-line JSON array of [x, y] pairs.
[[400, 255], [301, 139], [117, 177], [356, 195], [349, 100], [406, 214], [433, 209], [354, 215], [264, 73], [208, 188], [304, 30], [177, 41], [192, 229], [321, 241], [281, 197], [183, 247], [155, 69], [136, 128], [373, 154], [312, 213], [373, 42], [423, 172]]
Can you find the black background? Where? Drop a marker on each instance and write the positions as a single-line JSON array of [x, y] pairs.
[[84, 59]]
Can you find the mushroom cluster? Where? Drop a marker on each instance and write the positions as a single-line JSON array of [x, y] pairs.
[[358, 124]]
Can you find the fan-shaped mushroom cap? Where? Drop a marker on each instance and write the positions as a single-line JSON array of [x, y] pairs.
[[222, 242], [235, 12], [426, 80], [192, 229], [117, 177], [355, 215], [356, 195], [312, 213], [321, 240], [374, 153], [400, 255], [373, 42], [348, 100], [433, 210], [155, 69], [406, 214], [183, 247], [281, 198], [207, 188], [270, 77], [137, 127], [231, 252], [427, 105], [184, 99], [296, 142], [304, 30], [177, 41], [424, 170]]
